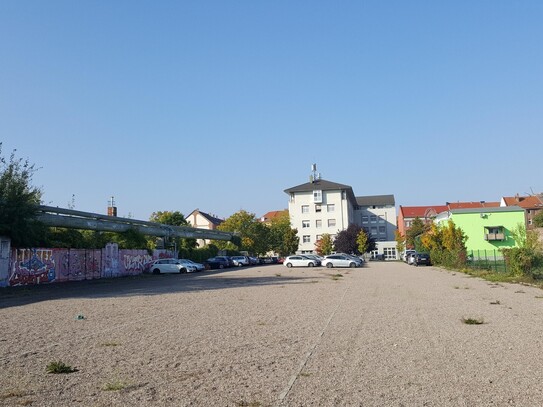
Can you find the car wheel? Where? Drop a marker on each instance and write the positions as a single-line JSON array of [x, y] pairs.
[[221, 266], [329, 265], [182, 270], [156, 271], [415, 264], [352, 265], [310, 264], [289, 265]]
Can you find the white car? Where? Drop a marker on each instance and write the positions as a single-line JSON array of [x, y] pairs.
[[240, 261], [341, 260], [300, 261], [197, 266], [171, 266]]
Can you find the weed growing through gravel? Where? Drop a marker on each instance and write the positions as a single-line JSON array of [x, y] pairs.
[[114, 385], [337, 276], [539, 296], [497, 302], [520, 292], [244, 403], [109, 344], [12, 394], [59, 368], [473, 321], [456, 287], [277, 274], [304, 374]]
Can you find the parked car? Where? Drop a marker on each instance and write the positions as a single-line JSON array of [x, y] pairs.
[[217, 262], [341, 260], [422, 258], [254, 260], [314, 256], [241, 261], [169, 266], [411, 258], [406, 254], [300, 261], [197, 266]]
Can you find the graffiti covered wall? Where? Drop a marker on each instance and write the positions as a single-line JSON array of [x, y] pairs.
[[40, 265]]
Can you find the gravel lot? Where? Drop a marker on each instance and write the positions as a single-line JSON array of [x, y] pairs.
[[384, 335]]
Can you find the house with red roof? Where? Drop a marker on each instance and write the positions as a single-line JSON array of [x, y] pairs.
[[407, 214], [269, 216], [532, 205]]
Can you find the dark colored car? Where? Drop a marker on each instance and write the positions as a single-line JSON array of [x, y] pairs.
[[218, 262], [422, 258]]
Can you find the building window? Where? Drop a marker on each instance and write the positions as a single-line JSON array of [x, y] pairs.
[[318, 208], [330, 207], [373, 219], [382, 239], [331, 223], [381, 219], [319, 237], [318, 223], [317, 196], [373, 230], [389, 252], [382, 229], [365, 219], [305, 208], [306, 239], [529, 221], [305, 224]]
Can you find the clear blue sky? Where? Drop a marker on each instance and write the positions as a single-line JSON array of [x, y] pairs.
[[221, 105]]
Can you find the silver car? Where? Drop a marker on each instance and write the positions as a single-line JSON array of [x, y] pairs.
[[341, 260], [170, 266], [300, 261]]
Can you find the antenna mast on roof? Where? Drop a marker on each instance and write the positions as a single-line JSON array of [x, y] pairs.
[[315, 176]]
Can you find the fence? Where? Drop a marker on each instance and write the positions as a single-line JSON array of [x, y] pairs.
[[492, 260], [42, 265]]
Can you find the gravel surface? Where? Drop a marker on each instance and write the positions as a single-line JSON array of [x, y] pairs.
[[387, 334]]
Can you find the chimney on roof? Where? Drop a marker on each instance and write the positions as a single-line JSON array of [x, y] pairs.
[[517, 197]]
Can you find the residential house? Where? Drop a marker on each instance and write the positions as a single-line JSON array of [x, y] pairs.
[[202, 220], [532, 205], [487, 229], [425, 213], [269, 216], [322, 206]]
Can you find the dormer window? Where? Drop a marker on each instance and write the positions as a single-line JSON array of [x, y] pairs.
[[317, 196]]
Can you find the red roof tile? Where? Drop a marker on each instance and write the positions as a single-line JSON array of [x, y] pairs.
[[526, 202], [422, 211]]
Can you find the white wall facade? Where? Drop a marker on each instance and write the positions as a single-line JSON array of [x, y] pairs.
[[380, 221], [334, 215]]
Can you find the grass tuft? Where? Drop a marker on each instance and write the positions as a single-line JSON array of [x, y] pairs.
[[497, 302], [59, 368], [12, 394], [244, 403], [473, 321], [114, 385], [109, 344]]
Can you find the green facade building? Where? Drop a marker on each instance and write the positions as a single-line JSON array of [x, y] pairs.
[[486, 228]]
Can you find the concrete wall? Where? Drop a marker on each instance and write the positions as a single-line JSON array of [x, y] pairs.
[[42, 265]]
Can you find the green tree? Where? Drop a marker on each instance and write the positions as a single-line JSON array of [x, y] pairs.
[[446, 244], [174, 218], [400, 241], [291, 241], [415, 231], [363, 242], [253, 233], [18, 202], [538, 219], [280, 235], [131, 239], [324, 246]]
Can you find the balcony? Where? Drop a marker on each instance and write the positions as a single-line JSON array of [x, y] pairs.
[[494, 236]]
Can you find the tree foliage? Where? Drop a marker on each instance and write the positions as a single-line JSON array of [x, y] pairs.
[[363, 242], [527, 257], [174, 218], [281, 237], [253, 233], [414, 233], [345, 241], [400, 241], [18, 201], [446, 244], [324, 246]]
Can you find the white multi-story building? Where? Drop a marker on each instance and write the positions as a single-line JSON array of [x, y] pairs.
[[321, 206]]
